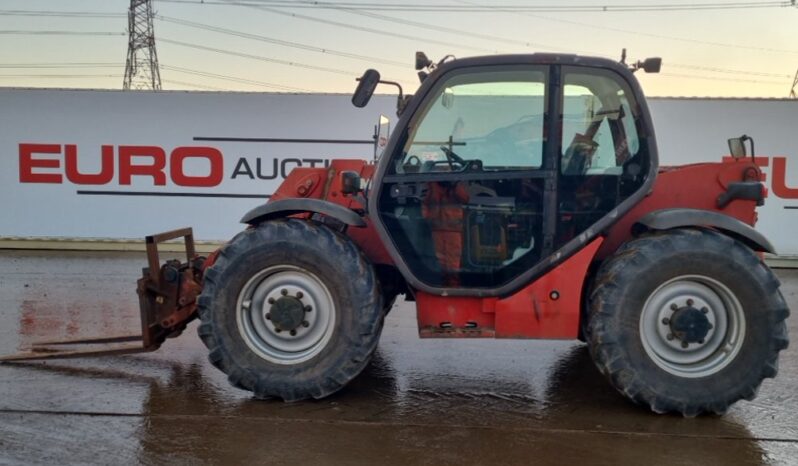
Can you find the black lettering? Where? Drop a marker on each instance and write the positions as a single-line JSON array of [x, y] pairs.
[[312, 162], [283, 172], [242, 168], [267, 177]]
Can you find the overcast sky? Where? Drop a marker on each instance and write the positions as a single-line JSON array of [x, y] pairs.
[[749, 52]]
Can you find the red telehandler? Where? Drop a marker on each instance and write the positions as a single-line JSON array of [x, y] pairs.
[[519, 196]]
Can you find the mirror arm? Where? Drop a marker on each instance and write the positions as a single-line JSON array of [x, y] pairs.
[[744, 138], [400, 101], [394, 83]]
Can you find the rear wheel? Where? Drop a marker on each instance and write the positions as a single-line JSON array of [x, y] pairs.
[[686, 321], [290, 309]]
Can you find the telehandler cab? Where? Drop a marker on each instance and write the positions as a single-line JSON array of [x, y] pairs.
[[519, 196]]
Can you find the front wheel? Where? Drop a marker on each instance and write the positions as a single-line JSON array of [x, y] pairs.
[[290, 309], [686, 321]]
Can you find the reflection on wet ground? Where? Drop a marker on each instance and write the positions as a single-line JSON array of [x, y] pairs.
[[420, 401]]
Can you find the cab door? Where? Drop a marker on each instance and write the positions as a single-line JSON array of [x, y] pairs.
[[509, 165], [464, 195]]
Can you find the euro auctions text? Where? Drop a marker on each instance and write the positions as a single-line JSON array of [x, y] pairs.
[[202, 159]]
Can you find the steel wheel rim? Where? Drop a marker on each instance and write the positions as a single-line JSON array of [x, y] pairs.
[[682, 356], [256, 302]]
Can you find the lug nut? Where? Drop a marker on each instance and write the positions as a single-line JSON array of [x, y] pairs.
[[268, 316], [305, 323], [308, 308], [689, 302], [669, 336], [299, 295], [709, 326], [278, 329], [700, 342], [674, 307], [704, 310], [666, 321], [292, 332], [685, 344], [283, 292], [271, 300]]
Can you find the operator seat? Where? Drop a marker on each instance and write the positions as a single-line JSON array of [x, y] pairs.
[[442, 208]]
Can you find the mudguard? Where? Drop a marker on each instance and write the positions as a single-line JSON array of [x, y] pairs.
[[288, 207], [665, 219]]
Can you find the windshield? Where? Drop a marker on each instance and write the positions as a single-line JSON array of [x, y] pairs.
[[493, 119]]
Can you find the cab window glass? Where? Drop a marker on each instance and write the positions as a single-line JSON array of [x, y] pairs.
[[603, 159], [599, 132], [464, 204], [491, 119]]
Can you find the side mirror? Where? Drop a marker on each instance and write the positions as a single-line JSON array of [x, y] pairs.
[[448, 98], [350, 182], [365, 88], [737, 146], [652, 65]]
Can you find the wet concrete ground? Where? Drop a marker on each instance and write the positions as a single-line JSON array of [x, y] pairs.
[[420, 401]]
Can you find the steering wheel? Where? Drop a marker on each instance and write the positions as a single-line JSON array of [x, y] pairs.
[[413, 161], [451, 157]]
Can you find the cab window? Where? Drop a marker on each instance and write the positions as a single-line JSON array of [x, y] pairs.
[[602, 156], [599, 132], [464, 200], [491, 119]]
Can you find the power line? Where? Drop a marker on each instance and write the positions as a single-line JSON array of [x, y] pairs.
[[363, 28], [198, 86], [258, 57], [727, 71], [427, 26], [284, 43], [60, 33], [60, 65], [266, 59], [233, 79], [644, 34], [440, 28], [195, 25], [61, 14], [91, 14], [714, 78], [459, 8], [338, 5], [59, 76]]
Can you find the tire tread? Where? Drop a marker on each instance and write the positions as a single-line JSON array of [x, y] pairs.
[[621, 271], [352, 263]]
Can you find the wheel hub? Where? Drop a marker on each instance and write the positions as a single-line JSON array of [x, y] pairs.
[[690, 325], [287, 313]]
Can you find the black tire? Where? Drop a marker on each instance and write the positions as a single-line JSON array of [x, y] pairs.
[[347, 279], [622, 298]]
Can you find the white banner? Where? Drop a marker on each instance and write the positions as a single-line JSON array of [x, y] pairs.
[[108, 164]]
